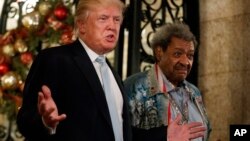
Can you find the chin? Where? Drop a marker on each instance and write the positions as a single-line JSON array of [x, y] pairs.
[[110, 46], [181, 78], [108, 49]]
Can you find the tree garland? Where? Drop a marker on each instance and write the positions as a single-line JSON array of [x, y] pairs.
[[48, 25]]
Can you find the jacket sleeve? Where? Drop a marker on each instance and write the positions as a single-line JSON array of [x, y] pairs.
[[29, 122]]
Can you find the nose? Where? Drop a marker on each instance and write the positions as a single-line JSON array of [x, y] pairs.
[[112, 24], [184, 60]]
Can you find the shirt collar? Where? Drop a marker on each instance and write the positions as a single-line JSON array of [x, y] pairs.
[[92, 55]]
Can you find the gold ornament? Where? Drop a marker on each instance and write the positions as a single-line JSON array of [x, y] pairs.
[[44, 7], [20, 46], [21, 86], [10, 81], [31, 20], [8, 50]]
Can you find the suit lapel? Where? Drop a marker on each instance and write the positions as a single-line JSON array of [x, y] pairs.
[[84, 63]]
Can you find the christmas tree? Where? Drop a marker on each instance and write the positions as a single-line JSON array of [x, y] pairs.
[[48, 25]]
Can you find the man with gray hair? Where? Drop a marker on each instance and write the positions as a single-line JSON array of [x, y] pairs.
[[179, 113]]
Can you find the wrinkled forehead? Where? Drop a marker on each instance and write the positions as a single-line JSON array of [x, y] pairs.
[[107, 4], [179, 44], [105, 11], [85, 7], [111, 8]]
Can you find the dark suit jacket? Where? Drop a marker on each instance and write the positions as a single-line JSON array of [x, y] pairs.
[[77, 92]]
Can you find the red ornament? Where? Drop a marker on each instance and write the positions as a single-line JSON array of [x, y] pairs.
[[4, 59], [67, 35], [42, 30], [66, 38], [61, 12], [22, 33], [54, 23], [26, 58], [7, 38], [4, 68]]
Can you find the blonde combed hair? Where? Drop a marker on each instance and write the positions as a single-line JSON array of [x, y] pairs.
[[85, 6]]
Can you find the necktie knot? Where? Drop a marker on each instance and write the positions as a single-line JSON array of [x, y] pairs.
[[100, 59]]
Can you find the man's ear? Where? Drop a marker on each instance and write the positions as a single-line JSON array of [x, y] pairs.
[[158, 53], [81, 26]]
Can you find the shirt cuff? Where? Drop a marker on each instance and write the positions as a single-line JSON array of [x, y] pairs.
[[51, 130]]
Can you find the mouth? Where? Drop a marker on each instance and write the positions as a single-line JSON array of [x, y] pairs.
[[182, 71], [111, 38]]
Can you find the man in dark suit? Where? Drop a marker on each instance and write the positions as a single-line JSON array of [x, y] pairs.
[[74, 107]]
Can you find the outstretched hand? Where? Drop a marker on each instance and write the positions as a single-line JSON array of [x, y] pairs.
[[184, 132], [48, 109]]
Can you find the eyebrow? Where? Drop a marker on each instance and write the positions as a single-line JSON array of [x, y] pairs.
[[181, 49]]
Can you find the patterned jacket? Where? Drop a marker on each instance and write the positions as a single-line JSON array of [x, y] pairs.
[[148, 105]]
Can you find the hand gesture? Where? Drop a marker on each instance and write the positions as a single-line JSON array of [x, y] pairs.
[[48, 109], [184, 132]]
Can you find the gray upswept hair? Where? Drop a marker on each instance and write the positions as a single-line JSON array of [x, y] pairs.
[[85, 6], [162, 37]]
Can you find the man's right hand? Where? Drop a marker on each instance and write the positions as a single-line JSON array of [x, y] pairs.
[[48, 109], [184, 132]]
